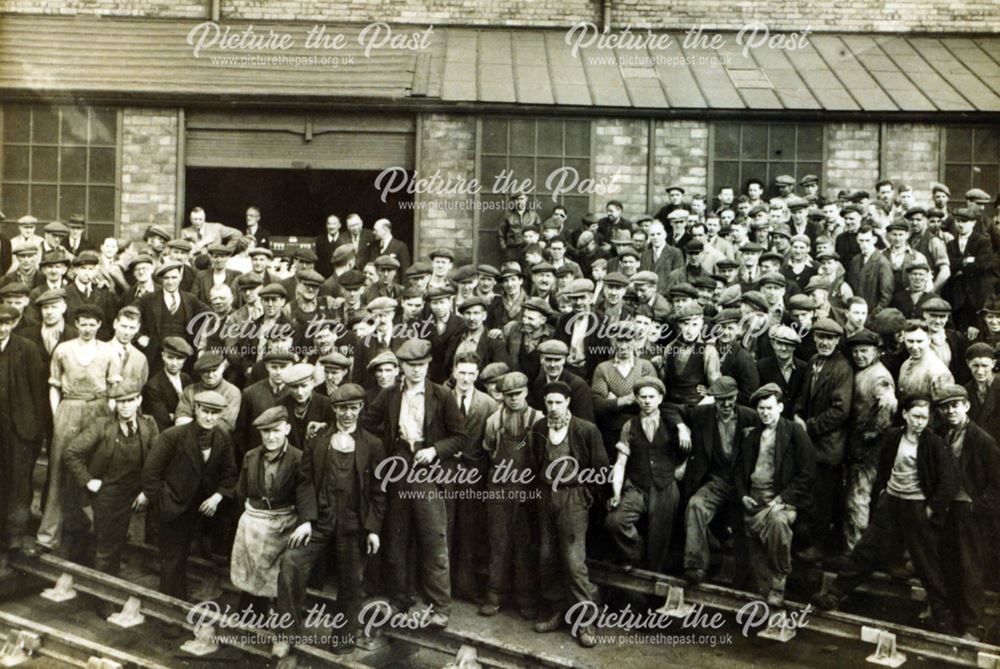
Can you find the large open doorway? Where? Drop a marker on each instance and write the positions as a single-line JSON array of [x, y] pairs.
[[295, 202]]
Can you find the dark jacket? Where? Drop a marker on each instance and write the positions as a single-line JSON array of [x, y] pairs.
[[444, 428], [488, 349], [397, 248], [581, 400], [985, 414], [88, 455], [872, 280], [153, 309], [769, 371], [979, 470], [970, 283], [203, 283], [324, 251], [794, 463], [368, 453], [291, 484], [319, 411], [159, 399], [29, 404], [257, 398], [586, 448], [739, 364], [595, 344], [935, 469], [825, 404], [706, 448], [175, 476]]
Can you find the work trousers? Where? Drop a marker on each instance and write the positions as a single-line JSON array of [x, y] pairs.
[[16, 461], [562, 547], [513, 547], [657, 505], [769, 531], [423, 516], [962, 540], [702, 508], [112, 507]]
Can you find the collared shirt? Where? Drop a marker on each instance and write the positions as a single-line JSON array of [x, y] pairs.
[[343, 440], [272, 459], [175, 381], [727, 430], [83, 288], [411, 413], [3, 344], [464, 401], [172, 300], [51, 335], [577, 352], [650, 424]]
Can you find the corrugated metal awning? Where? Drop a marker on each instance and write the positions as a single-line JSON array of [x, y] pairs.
[[492, 68]]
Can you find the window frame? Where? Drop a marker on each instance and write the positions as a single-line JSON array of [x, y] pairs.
[[59, 144], [957, 198]]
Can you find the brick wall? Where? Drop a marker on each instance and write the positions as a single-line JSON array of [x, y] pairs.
[[197, 9], [912, 156], [149, 169], [680, 157], [447, 146], [620, 155], [777, 15], [852, 157]]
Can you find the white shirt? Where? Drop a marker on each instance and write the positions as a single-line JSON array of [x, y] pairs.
[[411, 413]]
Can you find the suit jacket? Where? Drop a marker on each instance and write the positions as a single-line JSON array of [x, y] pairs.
[[291, 486], [29, 404], [203, 283], [872, 280], [979, 470], [581, 400], [794, 463], [6, 255], [441, 345], [970, 283], [488, 349], [480, 408], [740, 365], [825, 404], [985, 414], [257, 398], [153, 310], [769, 371], [397, 248], [901, 300], [102, 297], [444, 428], [175, 477], [160, 399], [936, 470], [319, 411], [83, 244], [324, 251], [88, 456], [670, 259], [262, 236], [585, 447], [706, 448], [365, 251]]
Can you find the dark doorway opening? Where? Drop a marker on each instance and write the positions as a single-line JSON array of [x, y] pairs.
[[295, 202]]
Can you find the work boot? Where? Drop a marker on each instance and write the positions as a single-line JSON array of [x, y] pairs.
[[827, 601], [438, 620], [489, 609], [587, 637], [776, 597], [550, 624], [694, 576], [810, 555]]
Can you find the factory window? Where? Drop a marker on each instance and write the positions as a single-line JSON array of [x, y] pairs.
[[553, 154], [59, 161], [744, 151], [971, 160]]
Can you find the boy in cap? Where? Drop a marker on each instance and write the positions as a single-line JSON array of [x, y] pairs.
[[490, 378], [421, 422], [163, 391], [384, 367], [511, 519], [22, 422], [276, 498], [735, 360], [106, 459], [642, 482], [567, 494], [342, 515], [210, 369], [774, 475], [188, 472]]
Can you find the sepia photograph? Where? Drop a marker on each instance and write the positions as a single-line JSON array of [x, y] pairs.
[[514, 334]]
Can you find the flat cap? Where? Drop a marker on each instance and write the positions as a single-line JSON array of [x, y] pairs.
[[683, 290], [675, 187], [678, 214], [579, 287], [442, 253], [796, 203], [210, 399], [772, 255], [755, 299], [384, 358], [219, 249], [919, 263], [758, 209], [646, 276], [278, 354], [615, 279], [649, 382], [980, 350], [914, 211], [438, 292], [724, 386], [863, 337], [86, 258], [816, 282], [937, 186], [765, 391], [776, 278], [539, 305], [248, 280], [271, 418], [853, 208], [274, 290], [628, 251], [488, 270], [510, 269], [335, 359], [386, 262], [349, 393], [889, 321], [464, 274], [297, 373], [991, 306], [828, 326], [305, 254], [56, 228], [414, 351], [140, 259], [553, 347], [87, 310], [809, 179], [382, 304], [542, 267], [125, 390], [964, 214], [8, 313], [14, 288], [180, 245], [474, 301], [934, 212], [752, 247], [951, 393], [688, 312], [58, 256], [802, 302], [512, 382], [785, 180], [898, 224], [493, 371], [208, 362], [167, 267], [859, 195], [978, 195], [829, 255], [158, 231], [310, 277], [352, 279], [261, 251], [781, 230], [50, 296], [177, 346], [936, 305], [342, 254], [694, 246], [418, 269], [27, 220], [802, 238], [601, 263], [564, 270], [557, 387], [728, 316], [785, 334]]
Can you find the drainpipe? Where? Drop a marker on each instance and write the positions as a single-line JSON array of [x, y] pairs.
[[216, 10], [605, 15]]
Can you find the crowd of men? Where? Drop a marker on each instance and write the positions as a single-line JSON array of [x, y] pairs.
[[798, 380]]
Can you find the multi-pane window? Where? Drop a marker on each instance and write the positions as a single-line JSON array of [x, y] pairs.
[[744, 151], [532, 149], [971, 160], [60, 161]]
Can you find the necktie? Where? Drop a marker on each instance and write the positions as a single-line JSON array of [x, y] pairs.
[[462, 404], [172, 302]]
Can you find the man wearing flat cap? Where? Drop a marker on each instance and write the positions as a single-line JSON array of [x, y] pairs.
[[215, 275], [474, 338], [26, 269], [273, 323], [523, 336], [972, 268], [510, 233], [341, 516], [444, 327], [690, 363], [308, 412], [552, 355], [167, 311], [823, 409], [162, 393], [734, 359], [947, 344], [420, 422], [914, 291], [774, 475], [643, 484], [613, 382], [569, 461], [276, 498], [983, 388], [581, 330], [712, 434], [260, 396], [210, 368], [84, 289], [188, 473], [387, 285], [23, 414], [106, 459]]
